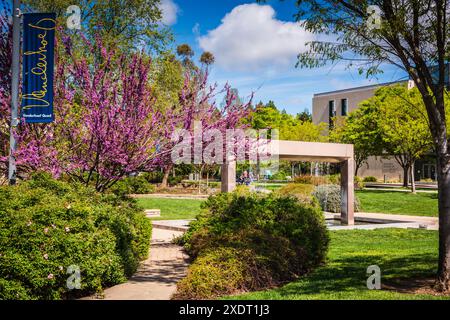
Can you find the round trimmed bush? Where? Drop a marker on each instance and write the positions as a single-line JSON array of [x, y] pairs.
[[46, 226], [273, 238], [329, 197], [303, 192]]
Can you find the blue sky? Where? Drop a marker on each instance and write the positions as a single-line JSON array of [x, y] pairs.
[[255, 48]]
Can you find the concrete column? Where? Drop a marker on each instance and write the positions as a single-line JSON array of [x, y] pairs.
[[347, 192], [229, 176]]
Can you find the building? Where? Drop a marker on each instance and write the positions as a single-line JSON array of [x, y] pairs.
[[328, 105]]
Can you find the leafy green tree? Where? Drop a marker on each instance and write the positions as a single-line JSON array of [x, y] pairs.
[[267, 116], [305, 116], [121, 24], [360, 128], [167, 81], [404, 126], [411, 35]]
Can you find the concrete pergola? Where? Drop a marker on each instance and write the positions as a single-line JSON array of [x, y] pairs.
[[313, 152]]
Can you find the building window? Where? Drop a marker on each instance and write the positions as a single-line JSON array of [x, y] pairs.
[[332, 112], [344, 105]]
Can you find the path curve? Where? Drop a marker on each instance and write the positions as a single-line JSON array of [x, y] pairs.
[[157, 277]]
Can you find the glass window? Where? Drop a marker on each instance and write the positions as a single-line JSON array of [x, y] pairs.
[[331, 112], [344, 105]]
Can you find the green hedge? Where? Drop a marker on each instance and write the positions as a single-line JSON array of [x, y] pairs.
[[244, 242], [47, 226], [370, 179]]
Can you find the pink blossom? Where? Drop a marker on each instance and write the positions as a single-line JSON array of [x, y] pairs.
[[46, 256], [45, 230], [50, 276], [116, 129]]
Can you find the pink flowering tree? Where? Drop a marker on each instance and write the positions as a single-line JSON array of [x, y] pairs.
[[106, 123], [106, 126], [5, 84], [197, 105]]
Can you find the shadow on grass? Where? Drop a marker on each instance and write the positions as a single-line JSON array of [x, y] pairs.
[[349, 274], [402, 255]]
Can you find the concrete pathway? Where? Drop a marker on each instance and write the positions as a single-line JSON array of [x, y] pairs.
[[172, 196], [157, 276]]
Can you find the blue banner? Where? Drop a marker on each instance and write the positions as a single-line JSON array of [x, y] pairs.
[[38, 64]]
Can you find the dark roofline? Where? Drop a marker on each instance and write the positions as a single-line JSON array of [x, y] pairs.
[[360, 88]]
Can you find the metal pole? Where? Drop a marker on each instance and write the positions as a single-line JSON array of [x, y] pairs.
[[15, 70]]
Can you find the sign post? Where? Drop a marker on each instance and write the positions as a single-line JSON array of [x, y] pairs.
[[15, 69], [37, 77]]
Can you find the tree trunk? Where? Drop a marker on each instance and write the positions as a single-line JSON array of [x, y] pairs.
[[413, 178], [405, 176], [165, 180], [357, 166], [443, 173]]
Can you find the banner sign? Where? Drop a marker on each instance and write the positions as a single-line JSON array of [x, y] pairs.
[[38, 63]]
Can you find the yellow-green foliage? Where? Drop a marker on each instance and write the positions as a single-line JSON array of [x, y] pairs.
[[216, 272], [303, 192]]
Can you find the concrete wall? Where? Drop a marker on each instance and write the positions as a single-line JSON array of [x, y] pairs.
[[380, 167], [320, 111]]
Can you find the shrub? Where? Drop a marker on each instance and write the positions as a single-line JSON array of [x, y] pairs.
[[47, 226], [154, 177], [359, 183], [133, 185], [279, 176], [335, 179], [329, 197], [271, 239], [173, 181], [303, 192], [217, 272], [316, 181], [370, 179]]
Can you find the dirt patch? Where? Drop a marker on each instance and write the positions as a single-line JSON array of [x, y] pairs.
[[414, 286]]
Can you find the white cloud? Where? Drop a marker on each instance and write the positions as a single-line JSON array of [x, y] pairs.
[[196, 29], [169, 12], [250, 38]]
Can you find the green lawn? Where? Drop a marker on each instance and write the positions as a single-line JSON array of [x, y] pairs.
[[401, 254], [420, 204], [173, 209]]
